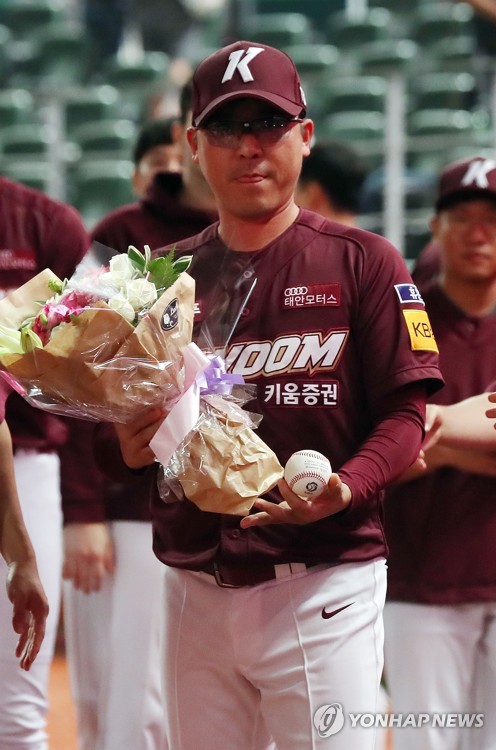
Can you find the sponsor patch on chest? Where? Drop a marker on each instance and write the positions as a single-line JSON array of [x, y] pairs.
[[311, 295]]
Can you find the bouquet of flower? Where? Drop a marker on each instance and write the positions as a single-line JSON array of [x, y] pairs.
[[103, 344], [114, 340]]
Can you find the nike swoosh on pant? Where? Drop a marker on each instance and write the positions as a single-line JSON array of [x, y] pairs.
[[328, 615]]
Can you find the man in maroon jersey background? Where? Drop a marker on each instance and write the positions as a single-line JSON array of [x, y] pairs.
[[441, 527], [36, 232]]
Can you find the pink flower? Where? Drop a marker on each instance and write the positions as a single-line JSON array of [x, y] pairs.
[[55, 312]]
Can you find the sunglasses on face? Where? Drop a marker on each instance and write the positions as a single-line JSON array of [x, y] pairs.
[[268, 130]]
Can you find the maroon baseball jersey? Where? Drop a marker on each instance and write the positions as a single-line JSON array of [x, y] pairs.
[[36, 232], [441, 528], [332, 331]]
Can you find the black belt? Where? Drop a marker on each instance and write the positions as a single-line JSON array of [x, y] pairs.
[[235, 576]]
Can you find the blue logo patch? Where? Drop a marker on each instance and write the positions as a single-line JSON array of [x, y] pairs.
[[408, 293]]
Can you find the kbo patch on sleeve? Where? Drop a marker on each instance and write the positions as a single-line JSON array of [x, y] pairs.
[[420, 330]]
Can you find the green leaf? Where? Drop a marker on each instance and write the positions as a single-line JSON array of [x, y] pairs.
[[161, 271], [137, 259], [10, 341], [30, 340], [182, 264]]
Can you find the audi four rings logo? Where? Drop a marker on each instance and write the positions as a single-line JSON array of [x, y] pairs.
[[294, 291]]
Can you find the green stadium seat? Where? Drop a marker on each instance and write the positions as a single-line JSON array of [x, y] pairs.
[[450, 54], [26, 141], [137, 81], [318, 65], [387, 56], [396, 6], [280, 30], [16, 107], [99, 186], [315, 10], [364, 130], [34, 174], [61, 56], [315, 62], [434, 22], [26, 18], [442, 90], [90, 104], [356, 93], [109, 139], [445, 122], [5, 58], [348, 33]]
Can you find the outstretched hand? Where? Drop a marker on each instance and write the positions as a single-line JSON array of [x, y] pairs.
[[296, 510], [26, 593]]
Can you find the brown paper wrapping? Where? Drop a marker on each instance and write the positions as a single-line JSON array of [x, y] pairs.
[[99, 365], [227, 465]]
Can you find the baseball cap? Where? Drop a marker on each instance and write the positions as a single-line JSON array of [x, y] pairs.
[[246, 69], [466, 179]]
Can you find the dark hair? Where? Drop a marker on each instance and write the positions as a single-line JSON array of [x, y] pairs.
[[153, 133], [339, 170]]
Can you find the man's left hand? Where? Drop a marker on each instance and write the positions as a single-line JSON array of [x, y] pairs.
[[296, 510]]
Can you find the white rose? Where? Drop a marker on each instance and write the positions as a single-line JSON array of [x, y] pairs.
[[120, 304], [140, 293], [121, 265], [121, 271]]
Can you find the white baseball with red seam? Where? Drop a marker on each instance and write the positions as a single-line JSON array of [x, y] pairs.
[[307, 473]]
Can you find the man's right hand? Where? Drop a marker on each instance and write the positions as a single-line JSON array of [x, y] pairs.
[[135, 437]]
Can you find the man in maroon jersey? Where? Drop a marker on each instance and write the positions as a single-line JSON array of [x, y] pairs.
[[278, 617], [441, 527], [36, 232]]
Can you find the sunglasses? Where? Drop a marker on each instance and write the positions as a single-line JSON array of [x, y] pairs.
[[268, 130]]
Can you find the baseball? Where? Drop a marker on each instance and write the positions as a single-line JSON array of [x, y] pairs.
[[307, 473]]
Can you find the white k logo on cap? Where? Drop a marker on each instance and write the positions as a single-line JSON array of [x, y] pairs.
[[239, 60], [477, 172]]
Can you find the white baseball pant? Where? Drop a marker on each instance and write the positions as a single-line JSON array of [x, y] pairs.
[[235, 657], [442, 660], [24, 695], [113, 646]]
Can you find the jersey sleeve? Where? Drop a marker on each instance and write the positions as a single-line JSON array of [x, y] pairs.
[[395, 338]]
